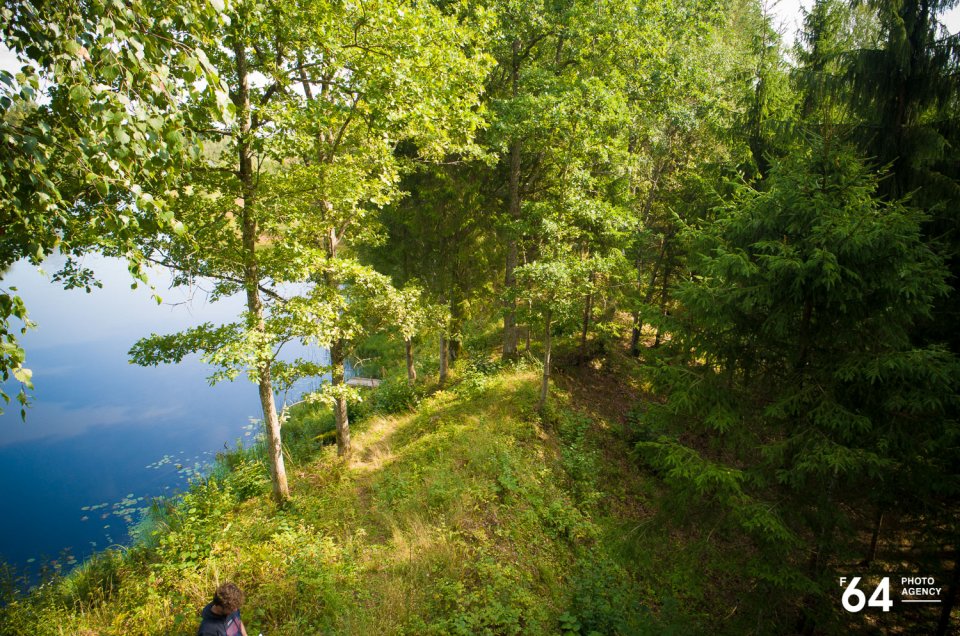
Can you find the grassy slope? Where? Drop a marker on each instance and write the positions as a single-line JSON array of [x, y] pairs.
[[471, 515]]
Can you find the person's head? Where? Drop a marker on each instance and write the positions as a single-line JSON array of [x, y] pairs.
[[228, 598]]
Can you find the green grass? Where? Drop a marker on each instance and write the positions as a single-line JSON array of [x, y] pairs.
[[469, 515]]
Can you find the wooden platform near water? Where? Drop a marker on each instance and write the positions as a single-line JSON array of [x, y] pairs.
[[371, 383]]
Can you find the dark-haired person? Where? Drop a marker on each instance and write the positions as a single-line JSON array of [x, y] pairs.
[[221, 617]]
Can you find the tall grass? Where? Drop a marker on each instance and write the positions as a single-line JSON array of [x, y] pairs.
[[462, 511]]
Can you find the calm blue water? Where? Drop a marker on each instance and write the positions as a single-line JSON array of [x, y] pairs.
[[103, 436]]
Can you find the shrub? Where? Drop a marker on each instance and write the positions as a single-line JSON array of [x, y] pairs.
[[193, 524], [500, 603], [476, 376], [395, 396], [603, 602], [248, 479]]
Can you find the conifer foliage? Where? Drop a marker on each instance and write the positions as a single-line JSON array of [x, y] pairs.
[[793, 358]]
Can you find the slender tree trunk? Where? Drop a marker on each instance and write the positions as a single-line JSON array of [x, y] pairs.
[[587, 314], [545, 384], [635, 335], [509, 278], [338, 362], [338, 355], [755, 139], [450, 344], [411, 370], [278, 472], [663, 307], [251, 277], [655, 272], [875, 538], [658, 173], [651, 289], [805, 319], [339, 346], [443, 360], [455, 344], [823, 548]]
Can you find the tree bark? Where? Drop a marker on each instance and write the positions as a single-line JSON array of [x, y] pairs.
[[874, 538], [338, 355], [587, 313], [755, 140], [651, 289], [339, 346], [337, 361], [251, 276], [545, 384], [658, 172], [663, 307], [635, 335], [411, 370], [443, 360], [823, 549], [509, 279], [455, 344]]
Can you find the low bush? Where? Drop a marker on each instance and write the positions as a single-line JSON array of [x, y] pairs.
[[395, 396]]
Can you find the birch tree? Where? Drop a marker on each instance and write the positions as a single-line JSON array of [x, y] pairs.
[[322, 94]]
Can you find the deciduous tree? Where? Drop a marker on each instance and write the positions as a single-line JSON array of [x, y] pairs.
[[322, 96], [93, 134]]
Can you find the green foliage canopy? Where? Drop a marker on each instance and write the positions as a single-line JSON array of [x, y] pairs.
[[93, 133]]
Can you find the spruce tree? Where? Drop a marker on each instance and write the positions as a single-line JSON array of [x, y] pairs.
[[794, 389]]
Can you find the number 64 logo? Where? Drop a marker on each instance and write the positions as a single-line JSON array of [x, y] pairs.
[[855, 600]]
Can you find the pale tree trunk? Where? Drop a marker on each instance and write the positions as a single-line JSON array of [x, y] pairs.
[[251, 277], [545, 384], [337, 361], [339, 346], [338, 356], [411, 370], [443, 360], [509, 278]]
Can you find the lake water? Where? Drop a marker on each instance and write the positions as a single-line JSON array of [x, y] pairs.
[[103, 436]]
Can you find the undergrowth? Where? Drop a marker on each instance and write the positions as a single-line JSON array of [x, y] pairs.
[[462, 511]]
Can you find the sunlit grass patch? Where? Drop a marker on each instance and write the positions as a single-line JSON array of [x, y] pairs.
[[466, 515]]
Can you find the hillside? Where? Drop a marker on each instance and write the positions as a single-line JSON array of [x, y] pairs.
[[695, 279], [468, 515]]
